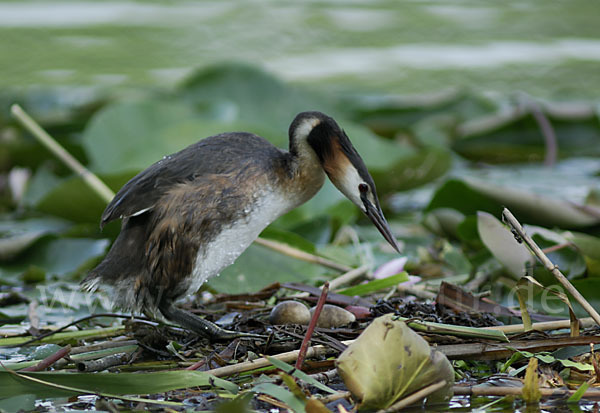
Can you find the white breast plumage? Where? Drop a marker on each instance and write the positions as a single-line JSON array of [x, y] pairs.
[[224, 249]]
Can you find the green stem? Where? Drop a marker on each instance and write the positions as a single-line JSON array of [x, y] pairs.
[[53, 146]]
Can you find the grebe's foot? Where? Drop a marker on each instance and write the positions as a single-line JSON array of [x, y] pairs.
[[201, 326]]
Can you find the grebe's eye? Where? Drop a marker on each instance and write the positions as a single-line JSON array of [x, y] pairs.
[[363, 188]]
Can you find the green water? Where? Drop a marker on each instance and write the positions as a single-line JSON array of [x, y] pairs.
[[549, 49]]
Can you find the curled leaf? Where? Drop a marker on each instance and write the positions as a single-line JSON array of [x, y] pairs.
[[389, 361]]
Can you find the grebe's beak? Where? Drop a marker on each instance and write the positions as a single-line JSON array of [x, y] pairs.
[[376, 216]]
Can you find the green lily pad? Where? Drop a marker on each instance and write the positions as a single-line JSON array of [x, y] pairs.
[[469, 196], [236, 92], [258, 267], [59, 257], [17, 236], [74, 200]]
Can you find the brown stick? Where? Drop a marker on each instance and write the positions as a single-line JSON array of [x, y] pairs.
[[50, 360], [103, 363], [336, 396], [514, 224], [311, 326], [414, 397], [497, 351], [301, 255], [517, 391], [289, 357], [102, 346], [347, 277]]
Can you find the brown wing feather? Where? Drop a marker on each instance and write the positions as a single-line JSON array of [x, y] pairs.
[[219, 154]]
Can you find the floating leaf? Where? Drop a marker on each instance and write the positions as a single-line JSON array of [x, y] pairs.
[[589, 246], [469, 196], [409, 171], [237, 92], [22, 402], [74, 200], [389, 361], [513, 135], [258, 267], [127, 136], [17, 236], [56, 256]]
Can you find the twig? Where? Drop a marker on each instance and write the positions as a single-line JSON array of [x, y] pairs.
[[50, 360], [480, 390], [58, 330], [103, 363], [414, 397], [289, 357], [103, 346], [543, 326], [347, 277], [417, 291], [311, 326], [514, 224], [557, 247], [493, 351], [301, 255], [333, 397], [96, 355], [53, 146], [325, 376]]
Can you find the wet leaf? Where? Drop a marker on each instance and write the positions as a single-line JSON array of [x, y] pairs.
[[128, 136], [502, 244], [56, 257], [258, 267], [389, 361], [236, 92], [74, 200], [516, 136], [569, 259], [17, 236], [471, 195], [411, 170], [22, 402], [589, 246]]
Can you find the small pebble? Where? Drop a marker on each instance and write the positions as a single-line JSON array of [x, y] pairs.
[[333, 316], [289, 312]]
